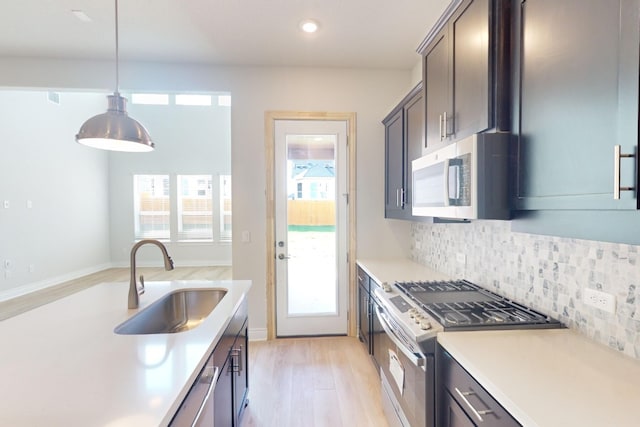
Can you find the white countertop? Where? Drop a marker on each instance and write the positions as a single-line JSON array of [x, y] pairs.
[[62, 365], [398, 270], [554, 377]]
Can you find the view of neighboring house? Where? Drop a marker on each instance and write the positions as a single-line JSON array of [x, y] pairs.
[[311, 180]]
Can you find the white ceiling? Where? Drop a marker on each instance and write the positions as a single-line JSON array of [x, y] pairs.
[[353, 33]]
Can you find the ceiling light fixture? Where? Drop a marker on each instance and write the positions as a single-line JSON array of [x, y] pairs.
[[115, 130], [309, 26]]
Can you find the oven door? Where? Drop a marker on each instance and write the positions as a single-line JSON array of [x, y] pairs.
[[407, 378]]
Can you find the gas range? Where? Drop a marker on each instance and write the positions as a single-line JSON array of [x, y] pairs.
[[463, 305], [419, 310]]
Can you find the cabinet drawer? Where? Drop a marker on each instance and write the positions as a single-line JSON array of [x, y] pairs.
[[363, 279], [481, 408]]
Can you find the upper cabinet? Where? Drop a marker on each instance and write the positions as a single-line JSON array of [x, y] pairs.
[[404, 139], [466, 72], [577, 100]]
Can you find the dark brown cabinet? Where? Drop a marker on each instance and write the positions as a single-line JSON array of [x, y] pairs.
[[404, 139], [364, 310], [461, 401], [466, 70], [577, 99], [231, 354]]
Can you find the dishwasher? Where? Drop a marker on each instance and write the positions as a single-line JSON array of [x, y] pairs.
[[197, 408]]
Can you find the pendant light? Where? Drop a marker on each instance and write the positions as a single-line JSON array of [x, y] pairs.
[[115, 130]]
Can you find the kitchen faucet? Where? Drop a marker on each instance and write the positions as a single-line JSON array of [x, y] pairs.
[[134, 292]]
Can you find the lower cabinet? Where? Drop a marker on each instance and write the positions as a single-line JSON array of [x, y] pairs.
[[230, 357], [364, 310], [461, 401], [231, 354]]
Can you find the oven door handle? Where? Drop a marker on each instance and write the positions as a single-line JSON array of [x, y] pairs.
[[415, 358]]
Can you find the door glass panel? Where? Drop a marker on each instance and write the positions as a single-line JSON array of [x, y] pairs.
[[311, 224]]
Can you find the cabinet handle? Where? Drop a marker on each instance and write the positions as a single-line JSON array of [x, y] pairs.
[[478, 414], [445, 132], [617, 155], [448, 119], [236, 360], [397, 197], [440, 126], [402, 199]]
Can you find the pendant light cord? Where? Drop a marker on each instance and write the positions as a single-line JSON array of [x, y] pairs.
[[117, 54]]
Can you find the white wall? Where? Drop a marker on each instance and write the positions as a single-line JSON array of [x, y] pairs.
[[66, 231], [369, 93], [189, 140]]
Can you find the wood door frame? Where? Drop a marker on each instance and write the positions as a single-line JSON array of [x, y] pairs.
[[269, 137]]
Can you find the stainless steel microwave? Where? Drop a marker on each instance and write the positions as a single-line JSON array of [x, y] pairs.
[[467, 179]]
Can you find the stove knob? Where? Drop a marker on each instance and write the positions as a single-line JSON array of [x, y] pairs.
[[417, 318], [425, 324], [412, 312], [386, 287]]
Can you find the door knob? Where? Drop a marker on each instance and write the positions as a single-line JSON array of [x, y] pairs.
[[283, 256]]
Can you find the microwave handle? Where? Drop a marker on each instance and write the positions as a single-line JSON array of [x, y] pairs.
[[446, 182]]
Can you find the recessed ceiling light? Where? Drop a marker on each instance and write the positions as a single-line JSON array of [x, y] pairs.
[[309, 26], [81, 15]]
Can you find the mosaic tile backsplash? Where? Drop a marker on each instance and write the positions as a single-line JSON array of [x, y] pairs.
[[546, 273]]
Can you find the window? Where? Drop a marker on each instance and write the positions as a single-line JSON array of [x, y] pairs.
[[196, 203], [225, 207], [151, 206], [195, 207], [150, 98], [193, 99]]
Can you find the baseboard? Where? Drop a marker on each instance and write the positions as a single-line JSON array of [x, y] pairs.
[[181, 263], [19, 291], [258, 334]]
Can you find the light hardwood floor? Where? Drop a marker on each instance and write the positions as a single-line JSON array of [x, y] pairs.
[[312, 382], [24, 303]]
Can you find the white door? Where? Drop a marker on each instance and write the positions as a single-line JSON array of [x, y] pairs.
[[311, 227]]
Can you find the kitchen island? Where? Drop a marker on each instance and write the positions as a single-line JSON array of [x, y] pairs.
[[62, 364]]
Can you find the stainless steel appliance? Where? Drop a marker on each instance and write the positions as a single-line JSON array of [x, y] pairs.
[[467, 179], [411, 314]]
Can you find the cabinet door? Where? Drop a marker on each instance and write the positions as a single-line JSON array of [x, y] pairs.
[[436, 84], [364, 311], [394, 167], [415, 141], [470, 36], [453, 415], [578, 98], [240, 360], [223, 396]]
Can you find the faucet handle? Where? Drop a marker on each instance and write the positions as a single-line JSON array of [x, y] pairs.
[[141, 288]]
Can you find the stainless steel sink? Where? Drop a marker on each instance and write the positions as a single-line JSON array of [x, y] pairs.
[[176, 312]]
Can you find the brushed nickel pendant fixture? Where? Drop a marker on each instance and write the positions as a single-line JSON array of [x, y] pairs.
[[115, 130]]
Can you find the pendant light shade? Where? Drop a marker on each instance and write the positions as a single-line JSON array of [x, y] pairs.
[[115, 130]]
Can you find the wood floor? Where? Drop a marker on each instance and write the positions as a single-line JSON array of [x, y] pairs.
[[312, 382], [21, 304]]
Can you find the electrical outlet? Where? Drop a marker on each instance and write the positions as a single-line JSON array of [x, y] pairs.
[[461, 258], [600, 300]]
